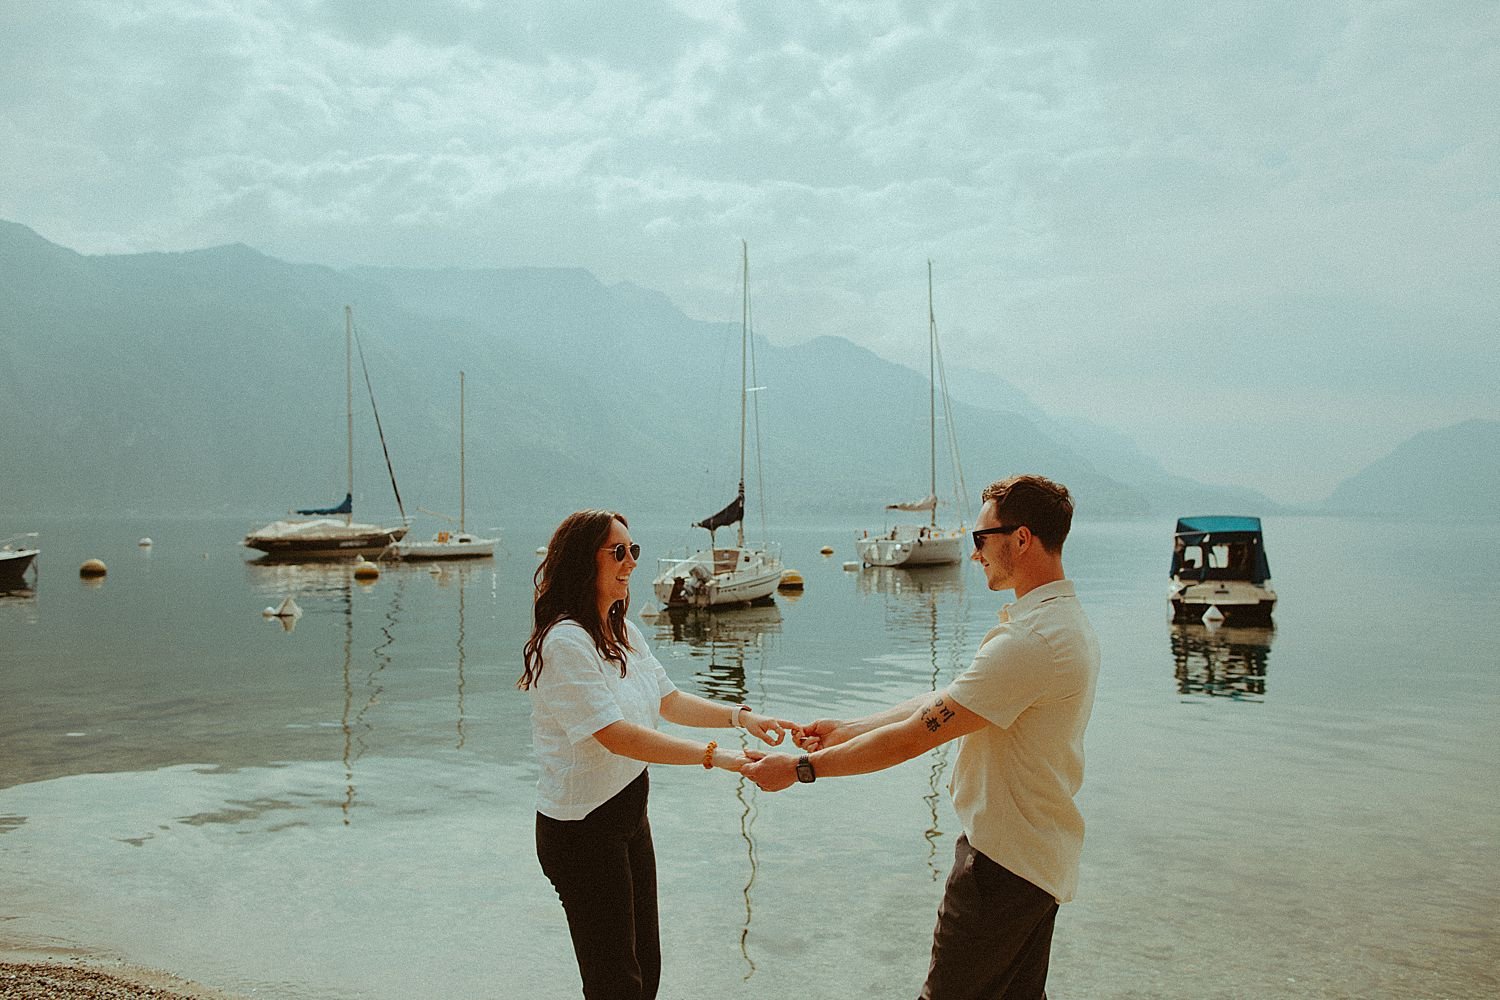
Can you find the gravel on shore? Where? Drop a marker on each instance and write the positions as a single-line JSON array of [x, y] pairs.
[[49, 980]]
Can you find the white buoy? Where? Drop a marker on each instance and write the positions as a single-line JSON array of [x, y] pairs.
[[541, 550], [144, 543], [92, 568], [826, 550], [365, 570]]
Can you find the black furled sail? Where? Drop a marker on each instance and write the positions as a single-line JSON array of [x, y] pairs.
[[731, 514]]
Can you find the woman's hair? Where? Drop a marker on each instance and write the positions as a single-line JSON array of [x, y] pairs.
[[566, 589]]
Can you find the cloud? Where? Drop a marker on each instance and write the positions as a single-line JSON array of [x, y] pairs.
[[1104, 191]]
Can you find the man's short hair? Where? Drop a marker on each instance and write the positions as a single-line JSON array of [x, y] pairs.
[[1037, 502]]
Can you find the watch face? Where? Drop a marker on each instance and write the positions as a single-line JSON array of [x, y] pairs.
[[805, 770]]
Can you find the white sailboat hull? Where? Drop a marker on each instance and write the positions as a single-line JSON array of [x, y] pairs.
[[906, 545], [446, 546], [720, 577], [13, 565]]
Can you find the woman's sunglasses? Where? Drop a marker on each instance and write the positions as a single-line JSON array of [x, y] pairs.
[[620, 548], [979, 533]]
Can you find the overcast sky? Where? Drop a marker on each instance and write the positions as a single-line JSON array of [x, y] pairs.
[[1259, 237]]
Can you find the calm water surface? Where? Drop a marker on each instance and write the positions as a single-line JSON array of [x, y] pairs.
[[345, 809]]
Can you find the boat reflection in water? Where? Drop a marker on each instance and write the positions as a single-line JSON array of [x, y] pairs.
[[735, 642], [1221, 661], [898, 580]]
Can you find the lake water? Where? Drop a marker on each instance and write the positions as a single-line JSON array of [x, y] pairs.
[[346, 809]]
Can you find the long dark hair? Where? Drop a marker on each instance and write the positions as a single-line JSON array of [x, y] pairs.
[[565, 589]]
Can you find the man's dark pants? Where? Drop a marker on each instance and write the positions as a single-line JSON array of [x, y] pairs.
[[993, 936]]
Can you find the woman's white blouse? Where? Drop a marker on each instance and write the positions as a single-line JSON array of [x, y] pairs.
[[578, 694]]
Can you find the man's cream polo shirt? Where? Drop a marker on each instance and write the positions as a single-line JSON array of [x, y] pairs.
[[1014, 781]]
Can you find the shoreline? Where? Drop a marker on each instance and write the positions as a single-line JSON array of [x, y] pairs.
[[28, 975]]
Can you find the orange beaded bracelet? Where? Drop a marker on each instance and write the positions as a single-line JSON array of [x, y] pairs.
[[708, 755]]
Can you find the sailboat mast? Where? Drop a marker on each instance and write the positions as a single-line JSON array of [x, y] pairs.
[[744, 341], [932, 391], [461, 495], [349, 402]]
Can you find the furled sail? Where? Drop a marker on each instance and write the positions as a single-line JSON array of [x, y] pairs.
[[729, 515], [347, 507], [929, 502]]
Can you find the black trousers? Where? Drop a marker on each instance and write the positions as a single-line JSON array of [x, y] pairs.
[[604, 870], [994, 933]]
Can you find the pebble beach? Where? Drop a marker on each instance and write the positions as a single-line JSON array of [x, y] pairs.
[[72, 981]]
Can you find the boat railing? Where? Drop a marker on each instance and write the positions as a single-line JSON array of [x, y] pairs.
[[680, 559]]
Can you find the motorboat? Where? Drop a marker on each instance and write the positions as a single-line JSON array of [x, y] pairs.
[[724, 576], [923, 544], [332, 531], [1219, 573]]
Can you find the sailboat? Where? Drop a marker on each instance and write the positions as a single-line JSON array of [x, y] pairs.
[[332, 531], [922, 544], [14, 562], [448, 544], [715, 576]]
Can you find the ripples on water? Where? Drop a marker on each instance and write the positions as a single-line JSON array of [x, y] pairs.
[[341, 804]]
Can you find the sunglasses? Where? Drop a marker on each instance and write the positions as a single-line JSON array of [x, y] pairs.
[[979, 534], [620, 548]]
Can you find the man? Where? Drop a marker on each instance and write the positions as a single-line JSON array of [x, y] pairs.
[[1020, 711]]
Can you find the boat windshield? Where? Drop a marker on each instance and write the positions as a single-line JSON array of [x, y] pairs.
[[1217, 560]]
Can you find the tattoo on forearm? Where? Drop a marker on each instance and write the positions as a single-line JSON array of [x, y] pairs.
[[934, 715]]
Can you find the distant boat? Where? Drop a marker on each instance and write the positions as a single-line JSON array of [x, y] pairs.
[[448, 544], [333, 530], [1220, 572], [15, 562], [737, 575], [922, 544]]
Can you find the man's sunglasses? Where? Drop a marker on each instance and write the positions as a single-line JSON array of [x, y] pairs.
[[620, 548], [979, 533]]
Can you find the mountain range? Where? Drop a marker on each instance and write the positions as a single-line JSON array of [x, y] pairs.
[[213, 381]]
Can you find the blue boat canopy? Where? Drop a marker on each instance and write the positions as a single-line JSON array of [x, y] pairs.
[[1216, 523], [1241, 537], [347, 507]]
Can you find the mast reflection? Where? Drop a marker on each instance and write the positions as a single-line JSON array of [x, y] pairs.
[[316, 586], [1221, 661], [727, 638], [445, 576], [926, 601]]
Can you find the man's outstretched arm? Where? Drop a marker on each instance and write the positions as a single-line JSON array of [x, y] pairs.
[[937, 719]]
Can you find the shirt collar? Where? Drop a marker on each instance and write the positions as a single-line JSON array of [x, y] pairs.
[[1036, 596]]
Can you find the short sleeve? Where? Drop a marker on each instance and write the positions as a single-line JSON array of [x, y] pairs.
[[664, 685], [572, 687], [1010, 673]]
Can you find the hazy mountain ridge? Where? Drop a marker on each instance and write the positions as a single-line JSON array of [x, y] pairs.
[[1449, 473], [213, 380]]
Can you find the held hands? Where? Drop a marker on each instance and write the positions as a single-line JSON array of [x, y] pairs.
[[776, 771], [823, 734], [772, 772], [768, 730], [734, 760]]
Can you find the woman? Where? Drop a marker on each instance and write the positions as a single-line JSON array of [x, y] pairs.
[[597, 694]]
